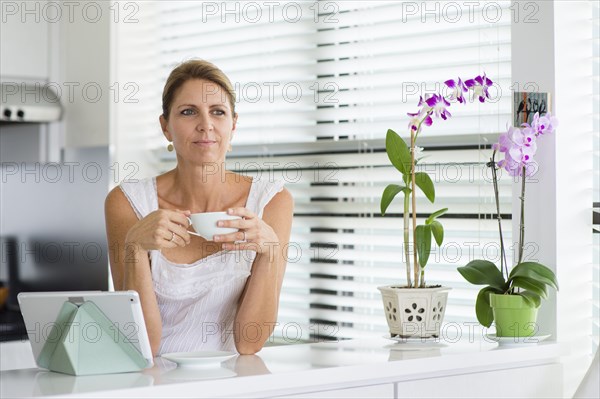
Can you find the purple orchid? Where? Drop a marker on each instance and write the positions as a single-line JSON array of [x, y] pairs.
[[503, 143], [529, 136], [511, 166], [519, 147], [458, 87], [527, 279], [417, 118], [543, 124], [521, 153], [480, 85], [406, 160], [438, 104]]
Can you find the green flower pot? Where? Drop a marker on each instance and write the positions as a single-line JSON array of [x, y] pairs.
[[513, 316]]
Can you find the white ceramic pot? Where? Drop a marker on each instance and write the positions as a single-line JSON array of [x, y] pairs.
[[414, 312]]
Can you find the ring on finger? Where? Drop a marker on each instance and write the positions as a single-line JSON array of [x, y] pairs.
[[244, 240], [173, 236]]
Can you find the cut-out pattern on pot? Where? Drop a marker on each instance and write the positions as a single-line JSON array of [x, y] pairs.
[[414, 312], [391, 311], [437, 312]]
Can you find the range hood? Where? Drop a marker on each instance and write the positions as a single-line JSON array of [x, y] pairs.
[[25, 102]]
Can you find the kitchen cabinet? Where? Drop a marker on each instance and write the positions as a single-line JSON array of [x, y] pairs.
[[24, 40], [65, 46], [382, 391], [86, 78]]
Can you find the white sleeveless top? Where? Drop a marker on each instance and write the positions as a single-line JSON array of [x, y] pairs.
[[198, 301]]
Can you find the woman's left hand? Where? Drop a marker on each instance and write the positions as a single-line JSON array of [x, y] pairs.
[[253, 235]]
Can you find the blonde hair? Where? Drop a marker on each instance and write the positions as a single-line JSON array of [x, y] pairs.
[[195, 69]]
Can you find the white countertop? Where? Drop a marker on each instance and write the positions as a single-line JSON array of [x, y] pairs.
[[290, 369]]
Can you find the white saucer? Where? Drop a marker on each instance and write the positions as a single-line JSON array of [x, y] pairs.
[[414, 344], [205, 359], [195, 374], [533, 340], [411, 340]]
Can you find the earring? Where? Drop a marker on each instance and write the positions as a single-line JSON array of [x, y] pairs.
[[170, 147]]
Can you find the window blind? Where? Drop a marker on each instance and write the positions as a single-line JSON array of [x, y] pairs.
[[318, 85]]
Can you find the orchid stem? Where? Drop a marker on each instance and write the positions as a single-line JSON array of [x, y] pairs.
[[522, 221], [503, 262], [407, 237], [414, 207]]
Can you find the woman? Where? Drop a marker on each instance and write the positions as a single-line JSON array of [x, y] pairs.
[[198, 294]]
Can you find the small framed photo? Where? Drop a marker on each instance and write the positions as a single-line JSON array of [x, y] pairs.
[[526, 104]]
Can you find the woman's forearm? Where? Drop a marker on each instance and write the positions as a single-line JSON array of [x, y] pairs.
[[257, 313], [269, 237], [138, 277]]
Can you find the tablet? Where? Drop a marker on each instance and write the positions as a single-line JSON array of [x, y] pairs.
[[101, 314]]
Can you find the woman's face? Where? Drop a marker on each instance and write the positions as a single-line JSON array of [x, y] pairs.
[[200, 123]]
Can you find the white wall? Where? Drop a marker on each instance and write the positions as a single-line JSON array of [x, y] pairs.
[[24, 40], [552, 51], [540, 204]]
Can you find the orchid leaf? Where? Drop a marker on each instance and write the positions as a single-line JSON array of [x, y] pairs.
[[388, 195], [531, 298], [532, 285], [423, 181], [423, 242], [398, 152], [435, 215], [483, 309], [438, 232], [481, 271], [535, 271]]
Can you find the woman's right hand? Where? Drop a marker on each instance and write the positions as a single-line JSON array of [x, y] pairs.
[[160, 229]]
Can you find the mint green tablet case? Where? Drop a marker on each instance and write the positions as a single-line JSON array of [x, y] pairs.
[[83, 341]]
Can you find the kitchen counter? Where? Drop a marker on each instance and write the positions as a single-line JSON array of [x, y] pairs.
[[356, 368]]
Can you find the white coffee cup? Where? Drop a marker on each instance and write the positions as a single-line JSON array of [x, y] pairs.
[[205, 224]]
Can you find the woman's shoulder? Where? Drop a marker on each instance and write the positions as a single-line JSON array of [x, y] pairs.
[[278, 211], [281, 199], [118, 194], [268, 183], [138, 194], [136, 188], [137, 183], [270, 193], [116, 203]]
